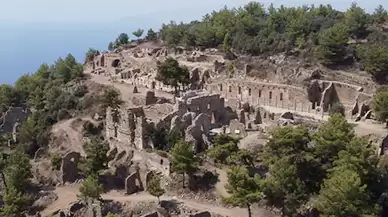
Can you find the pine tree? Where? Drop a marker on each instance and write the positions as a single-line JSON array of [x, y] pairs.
[[380, 16], [90, 188], [16, 174], [111, 98], [331, 138], [154, 187], [332, 45], [16, 202], [151, 35], [171, 73], [380, 105], [96, 157], [244, 190], [17, 171], [184, 159], [138, 33], [342, 194], [226, 43]]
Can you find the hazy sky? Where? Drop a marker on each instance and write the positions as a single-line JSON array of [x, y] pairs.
[[21, 11]]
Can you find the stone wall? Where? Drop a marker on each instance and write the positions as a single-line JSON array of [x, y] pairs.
[[257, 93], [13, 116], [107, 63], [202, 103], [319, 93], [347, 94], [127, 125]]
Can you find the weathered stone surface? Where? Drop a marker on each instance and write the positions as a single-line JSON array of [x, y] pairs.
[[329, 96], [367, 115], [237, 128], [127, 126], [133, 183], [69, 167]]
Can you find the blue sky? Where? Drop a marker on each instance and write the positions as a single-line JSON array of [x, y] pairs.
[[21, 11], [33, 32]]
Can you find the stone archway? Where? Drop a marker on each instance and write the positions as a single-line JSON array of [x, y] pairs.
[[69, 167]]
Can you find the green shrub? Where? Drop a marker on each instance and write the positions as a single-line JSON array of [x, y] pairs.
[[56, 161], [81, 91]]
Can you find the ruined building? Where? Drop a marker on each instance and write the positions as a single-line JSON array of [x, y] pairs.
[[11, 120], [126, 125]]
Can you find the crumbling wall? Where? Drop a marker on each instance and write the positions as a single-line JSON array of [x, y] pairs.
[[111, 124], [133, 183], [129, 126], [347, 94], [202, 103], [107, 63], [256, 93], [329, 96], [10, 118]]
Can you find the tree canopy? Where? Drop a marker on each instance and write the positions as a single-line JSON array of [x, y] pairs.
[[151, 35], [138, 33], [318, 30], [155, 188], [184, 159], [90, 188], [171, 73], [331, 170], [244, 190], [380, 105], [96, 156]]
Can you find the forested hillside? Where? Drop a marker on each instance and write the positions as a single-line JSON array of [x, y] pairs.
[[326, 35], [53, 92]]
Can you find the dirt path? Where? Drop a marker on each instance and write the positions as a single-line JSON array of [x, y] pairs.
[[222, 180], [67, 195]]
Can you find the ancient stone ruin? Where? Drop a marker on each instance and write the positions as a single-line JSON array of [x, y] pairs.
[[126, 125]]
